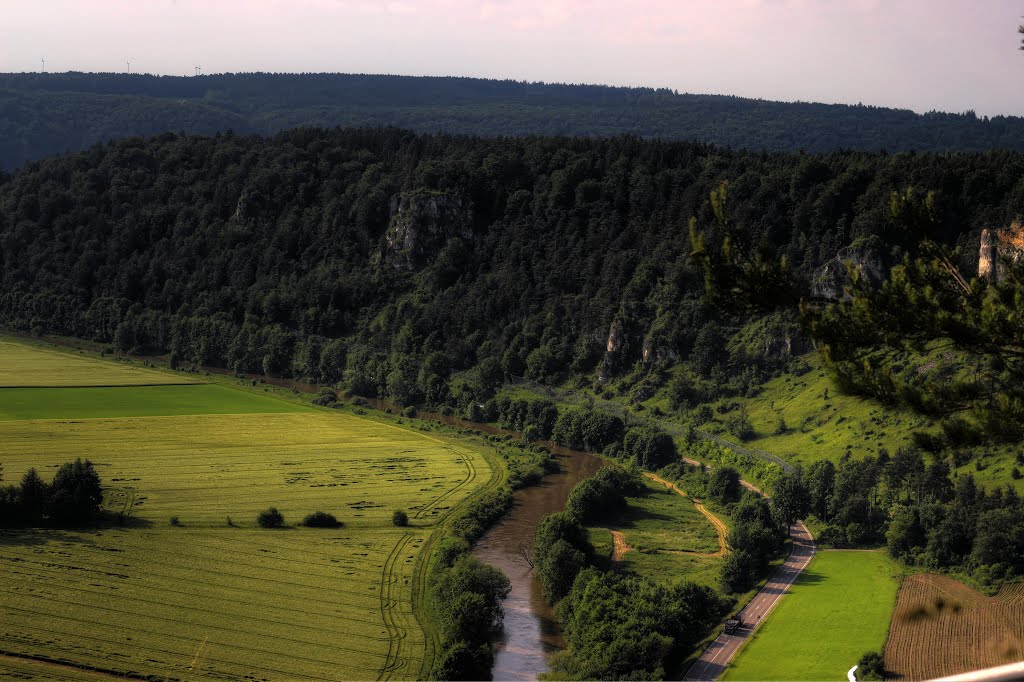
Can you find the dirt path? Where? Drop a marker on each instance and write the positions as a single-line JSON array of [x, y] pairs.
[[619, 546], [723, 531]]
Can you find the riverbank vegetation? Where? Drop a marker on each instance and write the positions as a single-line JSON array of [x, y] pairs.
[[582, 583]]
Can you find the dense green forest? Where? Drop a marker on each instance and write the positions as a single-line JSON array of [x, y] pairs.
[[44, 114], [430, 269]]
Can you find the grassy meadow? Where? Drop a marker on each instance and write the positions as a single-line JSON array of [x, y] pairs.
[[668, 539], [837, 610], [189, 585], [824, 423]]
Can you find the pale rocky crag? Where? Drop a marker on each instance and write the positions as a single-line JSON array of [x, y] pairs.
[[998, 247], [613, 350], [867, 257], [421, 224]]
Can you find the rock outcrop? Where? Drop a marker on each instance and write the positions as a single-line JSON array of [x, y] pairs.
[[998, 246], [866, 257], [613, 351], [421, 223]]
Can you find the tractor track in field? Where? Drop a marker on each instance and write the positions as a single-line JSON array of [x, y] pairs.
[[388, 610], [471, 474]]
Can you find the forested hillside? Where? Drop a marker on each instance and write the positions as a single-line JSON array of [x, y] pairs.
[[45, 114], [392, 260]]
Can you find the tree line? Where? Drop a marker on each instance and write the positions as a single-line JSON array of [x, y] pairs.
[[923, 515], [72, 498], [37, 106]]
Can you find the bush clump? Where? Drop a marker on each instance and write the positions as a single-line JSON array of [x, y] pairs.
[[400, 518], [320, 519], [270, 518]]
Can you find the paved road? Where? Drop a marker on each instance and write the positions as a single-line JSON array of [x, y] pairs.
[[712, 662]]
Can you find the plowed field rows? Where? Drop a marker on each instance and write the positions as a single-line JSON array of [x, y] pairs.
[[943, 627]]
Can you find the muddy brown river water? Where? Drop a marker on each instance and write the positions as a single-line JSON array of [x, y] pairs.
[[530, 634]]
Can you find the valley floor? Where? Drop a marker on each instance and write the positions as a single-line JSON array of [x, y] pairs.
[[187, 584]]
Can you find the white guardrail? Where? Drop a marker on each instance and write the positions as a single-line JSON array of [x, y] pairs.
[[1003, 673]]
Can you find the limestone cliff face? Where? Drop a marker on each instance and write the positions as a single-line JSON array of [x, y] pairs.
[[613, 351], [867, 258], [987, 258], [998, 246], [421, 223], [656, 349], [784, 343]]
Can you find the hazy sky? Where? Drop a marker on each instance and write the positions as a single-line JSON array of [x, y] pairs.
[[950, 55]]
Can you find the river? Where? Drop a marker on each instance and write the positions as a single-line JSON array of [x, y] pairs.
[[530, 634]]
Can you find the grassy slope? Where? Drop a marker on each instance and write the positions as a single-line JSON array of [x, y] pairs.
[[819, 429], [838, 609], [211, 599], [669, 539]]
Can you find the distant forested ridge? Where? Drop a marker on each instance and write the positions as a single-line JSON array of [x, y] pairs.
[[45, 114], [394, 262]]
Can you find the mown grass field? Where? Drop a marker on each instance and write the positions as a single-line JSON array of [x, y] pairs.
[[207, 599], [837, 610], [668, 539], [31, 365]]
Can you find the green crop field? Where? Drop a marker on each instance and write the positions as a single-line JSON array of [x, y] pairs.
[[838, 610], [134, 401], [668, 539], [29, 365], [213, 595]]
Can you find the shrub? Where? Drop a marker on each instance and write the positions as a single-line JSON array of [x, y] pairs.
[[928, 442], [320, 519], [740, 426], [270, 518], [724, 486], [871, 666], [1015, 474], [409, 412], [327, 397], [400, 518], [175, 521]]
